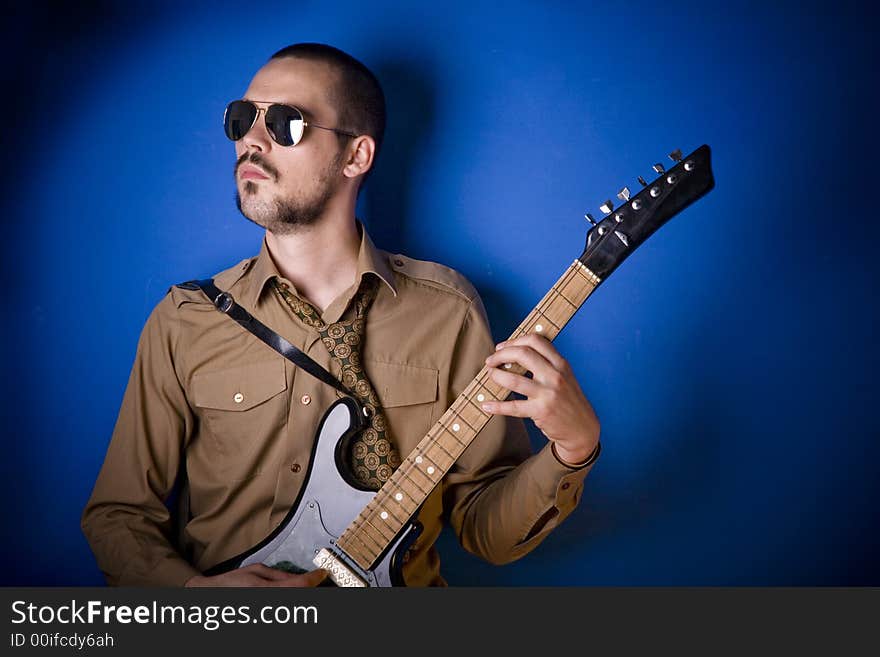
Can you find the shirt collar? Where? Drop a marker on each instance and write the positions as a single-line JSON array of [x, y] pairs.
[[370, 260]]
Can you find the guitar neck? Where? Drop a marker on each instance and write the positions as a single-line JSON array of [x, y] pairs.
[[399, 499]]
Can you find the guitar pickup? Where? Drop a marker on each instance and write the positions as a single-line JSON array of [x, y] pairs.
[[340, 574]]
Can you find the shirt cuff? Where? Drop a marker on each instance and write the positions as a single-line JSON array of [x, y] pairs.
[[577, 466], [559, 483]]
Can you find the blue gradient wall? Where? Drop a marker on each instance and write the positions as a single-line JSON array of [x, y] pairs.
[[731, 359]]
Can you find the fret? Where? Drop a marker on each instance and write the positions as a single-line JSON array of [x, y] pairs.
[[495, 390], [410, 485], [406, 486], [385, 504], [443, 449], [557, 310], [367, 544], [367, 517], [380, 528], [407, 472], [561, 293], [456, 430], [538, 322], [382, 521], [472, 415], [453, 413], [440, 456], [423, 461], [482, 394], [405, 502], [417, 474], [427, 468]]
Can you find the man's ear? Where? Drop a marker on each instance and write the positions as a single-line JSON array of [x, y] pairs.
[[361, 152]]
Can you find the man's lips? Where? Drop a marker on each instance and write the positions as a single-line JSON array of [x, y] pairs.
[[247, 172]]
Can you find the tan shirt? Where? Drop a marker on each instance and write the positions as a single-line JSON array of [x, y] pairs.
[[244, 419]]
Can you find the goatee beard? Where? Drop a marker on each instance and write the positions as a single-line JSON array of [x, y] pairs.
[[289, 216]]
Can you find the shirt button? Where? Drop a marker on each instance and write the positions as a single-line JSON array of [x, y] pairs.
[[238, 398], [566, 486], [295, 467], [306, 399]]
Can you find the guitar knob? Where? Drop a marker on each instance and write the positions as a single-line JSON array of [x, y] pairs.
[[624, 194], [607, 207], [642, 182], [659, 168], [589, 218], [675, 155]]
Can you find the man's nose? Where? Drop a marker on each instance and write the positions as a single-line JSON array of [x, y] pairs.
[[258, 136]]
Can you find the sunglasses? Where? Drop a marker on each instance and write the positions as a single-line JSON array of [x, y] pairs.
[[285, 124]]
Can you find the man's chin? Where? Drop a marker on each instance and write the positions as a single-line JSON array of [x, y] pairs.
[[253, 208]]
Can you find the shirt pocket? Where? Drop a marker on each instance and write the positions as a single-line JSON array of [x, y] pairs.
[[407, 394], [243, 410]]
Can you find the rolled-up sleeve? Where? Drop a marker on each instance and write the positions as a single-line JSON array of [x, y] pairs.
[[501, 499], [126, 520]]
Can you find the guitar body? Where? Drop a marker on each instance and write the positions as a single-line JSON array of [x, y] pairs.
[[328, 503]]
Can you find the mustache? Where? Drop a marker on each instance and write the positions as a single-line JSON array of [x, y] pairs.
[[257, 159]]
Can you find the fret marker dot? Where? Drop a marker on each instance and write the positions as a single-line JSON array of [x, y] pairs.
[[481, 397], [456, 426], [384, 515], [430, 469], [418, 459], [398, 497], [538, 328]]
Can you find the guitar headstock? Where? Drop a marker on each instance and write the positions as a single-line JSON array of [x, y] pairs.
[[622, 231]]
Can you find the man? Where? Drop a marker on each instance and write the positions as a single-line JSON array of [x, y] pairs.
[[206, 394]]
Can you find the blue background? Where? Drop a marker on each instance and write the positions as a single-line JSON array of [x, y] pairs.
[[730, 360]]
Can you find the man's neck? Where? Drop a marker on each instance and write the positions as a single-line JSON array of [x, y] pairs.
[[320, 260]]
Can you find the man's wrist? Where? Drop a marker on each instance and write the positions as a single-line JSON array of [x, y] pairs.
[[589, 460]]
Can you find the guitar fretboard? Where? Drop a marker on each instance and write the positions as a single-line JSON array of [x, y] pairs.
[[377, 526]]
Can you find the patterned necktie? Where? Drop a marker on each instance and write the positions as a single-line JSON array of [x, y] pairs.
[[373, 458]]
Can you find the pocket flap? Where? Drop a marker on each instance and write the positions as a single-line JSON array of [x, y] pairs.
[[239, 388], [402, 385]]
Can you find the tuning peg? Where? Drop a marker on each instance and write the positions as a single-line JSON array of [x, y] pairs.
[[589, 218], [624, 194], [642, 182], [607, 207], [675, 155], [659, 168]]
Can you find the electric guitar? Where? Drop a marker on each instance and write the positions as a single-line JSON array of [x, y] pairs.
[[359, 535]]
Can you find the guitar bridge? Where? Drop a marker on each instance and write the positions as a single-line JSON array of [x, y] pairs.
[[341, 574]]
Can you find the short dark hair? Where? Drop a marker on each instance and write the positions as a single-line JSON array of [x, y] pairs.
[[358, 96]]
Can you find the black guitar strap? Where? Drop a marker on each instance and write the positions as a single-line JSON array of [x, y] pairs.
[[224, 302]]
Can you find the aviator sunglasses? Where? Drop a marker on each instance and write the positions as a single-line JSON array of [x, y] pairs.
[[285, 124]]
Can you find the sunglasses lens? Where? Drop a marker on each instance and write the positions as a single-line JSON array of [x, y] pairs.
[[238, 119], [285, 124]]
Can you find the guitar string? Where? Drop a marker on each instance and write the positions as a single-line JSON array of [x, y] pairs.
[[572, 272]]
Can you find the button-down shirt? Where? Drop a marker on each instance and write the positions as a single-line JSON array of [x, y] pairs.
[[207, 394]]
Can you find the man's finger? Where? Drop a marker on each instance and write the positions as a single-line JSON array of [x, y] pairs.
[[514, 408], [514, 382], [530, 359], [543, 346], [315, 577], [311, 578]]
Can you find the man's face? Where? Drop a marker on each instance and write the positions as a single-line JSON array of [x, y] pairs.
[[301, 179]]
